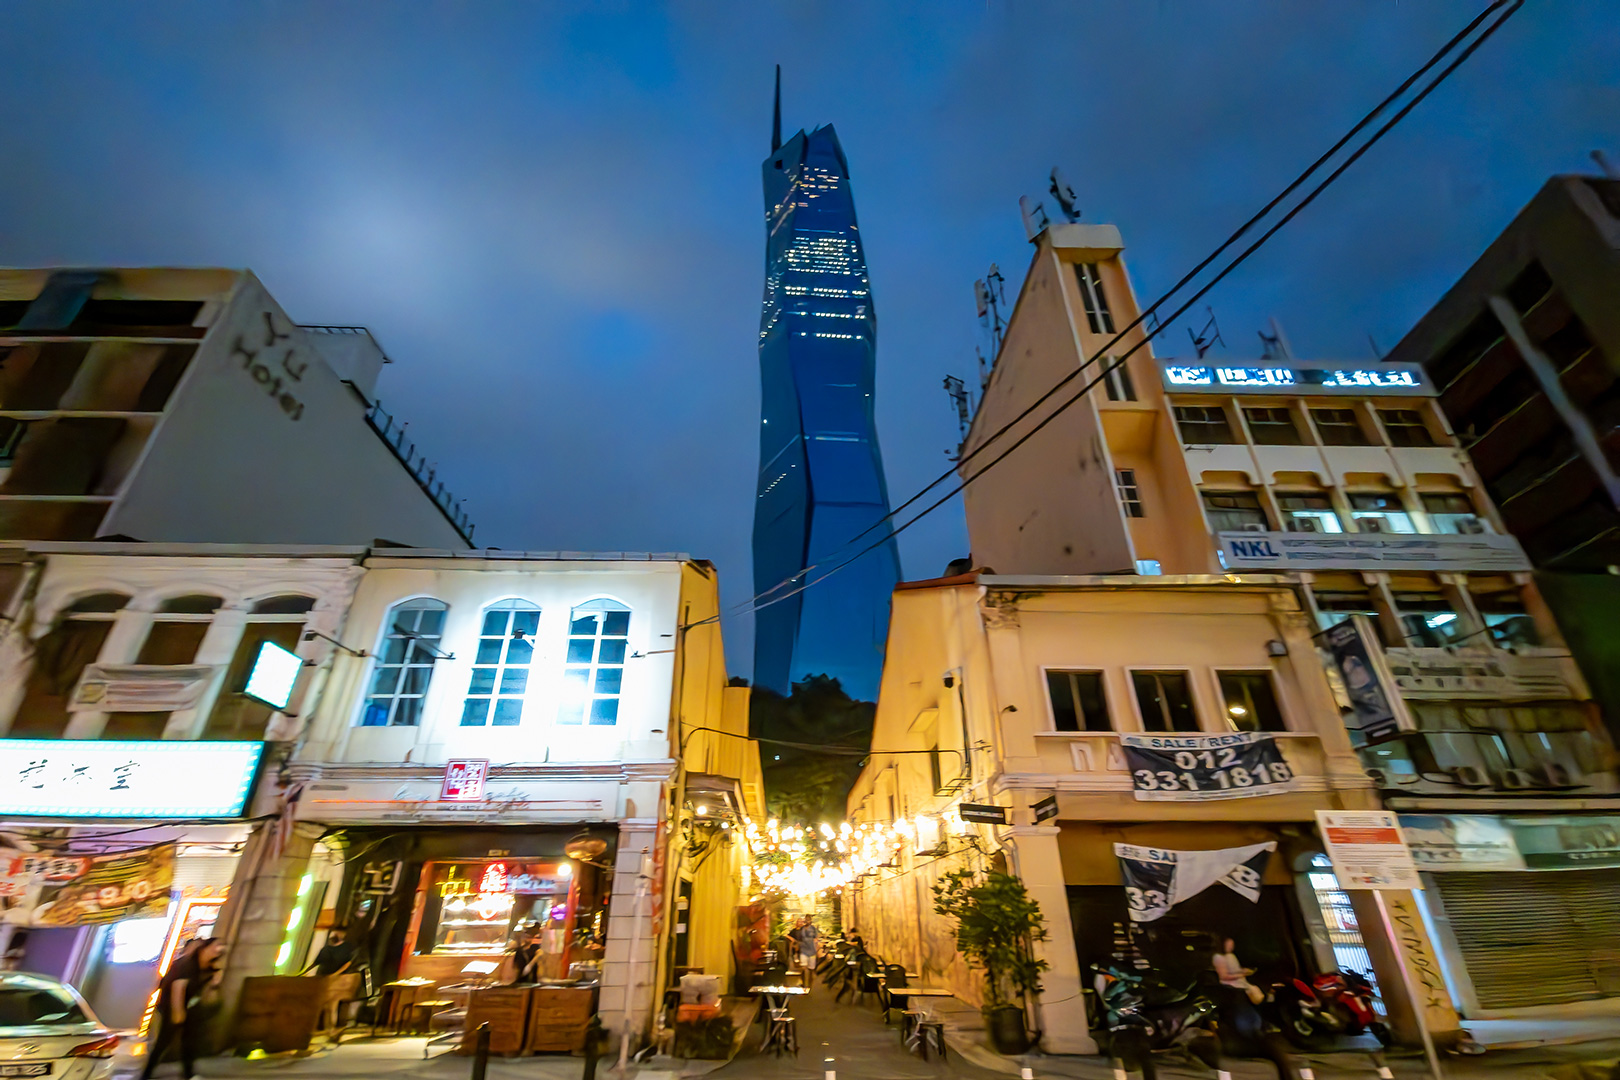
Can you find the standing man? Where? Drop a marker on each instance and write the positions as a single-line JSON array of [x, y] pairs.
[[806, 935], [176, 1015], [336, 956]]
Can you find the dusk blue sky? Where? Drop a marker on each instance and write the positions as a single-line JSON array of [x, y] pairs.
[[550, 214]]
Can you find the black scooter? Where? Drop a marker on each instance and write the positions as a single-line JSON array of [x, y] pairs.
[[1142, 1018]]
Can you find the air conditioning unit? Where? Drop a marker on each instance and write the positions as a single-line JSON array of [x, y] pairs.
[[1515, 779], [1379, 777], [1469, 776], [1554, 776]]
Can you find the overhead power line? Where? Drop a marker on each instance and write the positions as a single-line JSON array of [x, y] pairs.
[[760, 600]]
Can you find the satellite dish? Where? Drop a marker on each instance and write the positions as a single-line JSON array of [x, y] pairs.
[[1035, 221], [1064, 195], [981, 297]]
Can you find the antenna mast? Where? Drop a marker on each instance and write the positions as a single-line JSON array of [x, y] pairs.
[[1206, 338], [776, 114], [990, 294]]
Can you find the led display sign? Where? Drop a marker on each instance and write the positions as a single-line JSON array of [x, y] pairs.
[[1267, 378], [275, 670], [110, 778]]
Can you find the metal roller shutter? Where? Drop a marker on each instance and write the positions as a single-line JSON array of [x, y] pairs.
[[1532, 938]]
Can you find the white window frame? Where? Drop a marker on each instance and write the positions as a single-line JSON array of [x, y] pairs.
[[497, 695], [581, 679], [384, 635]]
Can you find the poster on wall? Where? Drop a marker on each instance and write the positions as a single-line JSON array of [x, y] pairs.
[[1194, 768], [1157, 879], [1375, 714], [1367, 849], [88, 890]]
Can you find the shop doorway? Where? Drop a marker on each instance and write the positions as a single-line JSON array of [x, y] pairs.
[[1344, 933], [1179, 948]]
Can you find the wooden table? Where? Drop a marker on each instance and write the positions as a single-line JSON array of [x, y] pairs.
[[775, 1005]]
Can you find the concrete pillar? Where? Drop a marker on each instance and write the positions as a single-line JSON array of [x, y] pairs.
[[255, 917], [626, 957], [1033, 856], [1404, 938], [217, 647]]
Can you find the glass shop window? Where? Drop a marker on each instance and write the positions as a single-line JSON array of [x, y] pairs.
[[1506, 620], [1203, 425]]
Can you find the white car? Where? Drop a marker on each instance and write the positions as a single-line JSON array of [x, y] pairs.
[[46, 1029]]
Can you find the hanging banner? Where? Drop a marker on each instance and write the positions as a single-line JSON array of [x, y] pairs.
[[87, 890], [1374, 713], [140, 687], [1194, 768], [1157, 879]]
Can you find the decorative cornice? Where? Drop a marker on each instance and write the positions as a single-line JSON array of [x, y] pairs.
[[399, 772]]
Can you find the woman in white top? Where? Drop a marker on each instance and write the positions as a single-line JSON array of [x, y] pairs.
[[1233, 973]]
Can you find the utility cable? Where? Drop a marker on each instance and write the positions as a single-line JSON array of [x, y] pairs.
[[1147, 337]]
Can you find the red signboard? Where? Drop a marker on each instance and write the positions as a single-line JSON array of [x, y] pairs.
[[464, 781]]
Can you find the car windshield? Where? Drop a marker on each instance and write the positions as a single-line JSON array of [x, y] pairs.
[[30, 1003]]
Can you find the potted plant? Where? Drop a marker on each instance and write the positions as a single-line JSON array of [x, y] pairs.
[[997, 925]]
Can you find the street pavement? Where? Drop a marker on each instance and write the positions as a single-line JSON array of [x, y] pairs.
[[862, 1047]]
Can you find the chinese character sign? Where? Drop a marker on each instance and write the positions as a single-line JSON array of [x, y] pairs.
[[113, 778], [464, 781]]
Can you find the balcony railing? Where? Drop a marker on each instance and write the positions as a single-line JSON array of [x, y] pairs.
[[425, 475]]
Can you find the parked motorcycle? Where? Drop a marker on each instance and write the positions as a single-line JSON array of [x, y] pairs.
[[1141, 1018], [1330, 1005]]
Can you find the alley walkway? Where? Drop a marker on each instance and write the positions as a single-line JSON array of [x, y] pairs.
[[854, 1036]]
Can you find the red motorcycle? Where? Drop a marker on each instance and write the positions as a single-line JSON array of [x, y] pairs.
[[1330, 1005]]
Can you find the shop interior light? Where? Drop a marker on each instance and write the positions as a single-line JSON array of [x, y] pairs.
[[284, 953], [565, 869], [138, 941], [275, 670]]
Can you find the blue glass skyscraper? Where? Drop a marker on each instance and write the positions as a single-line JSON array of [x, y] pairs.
[[820, 471]]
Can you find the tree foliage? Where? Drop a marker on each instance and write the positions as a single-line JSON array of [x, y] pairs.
[[997, 925], [810, 782]]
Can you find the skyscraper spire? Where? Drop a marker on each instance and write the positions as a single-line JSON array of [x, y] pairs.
[[776, 114]]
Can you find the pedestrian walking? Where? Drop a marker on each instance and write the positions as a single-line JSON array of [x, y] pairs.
[[178, 1016], [805, 937]]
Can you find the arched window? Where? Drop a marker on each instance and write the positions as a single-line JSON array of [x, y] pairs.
[[191, 604], [405, 658], [598, 639], [290, 604], [60, 657], [500, 675]]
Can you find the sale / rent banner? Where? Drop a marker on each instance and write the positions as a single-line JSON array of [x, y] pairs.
[[1194, 768]]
